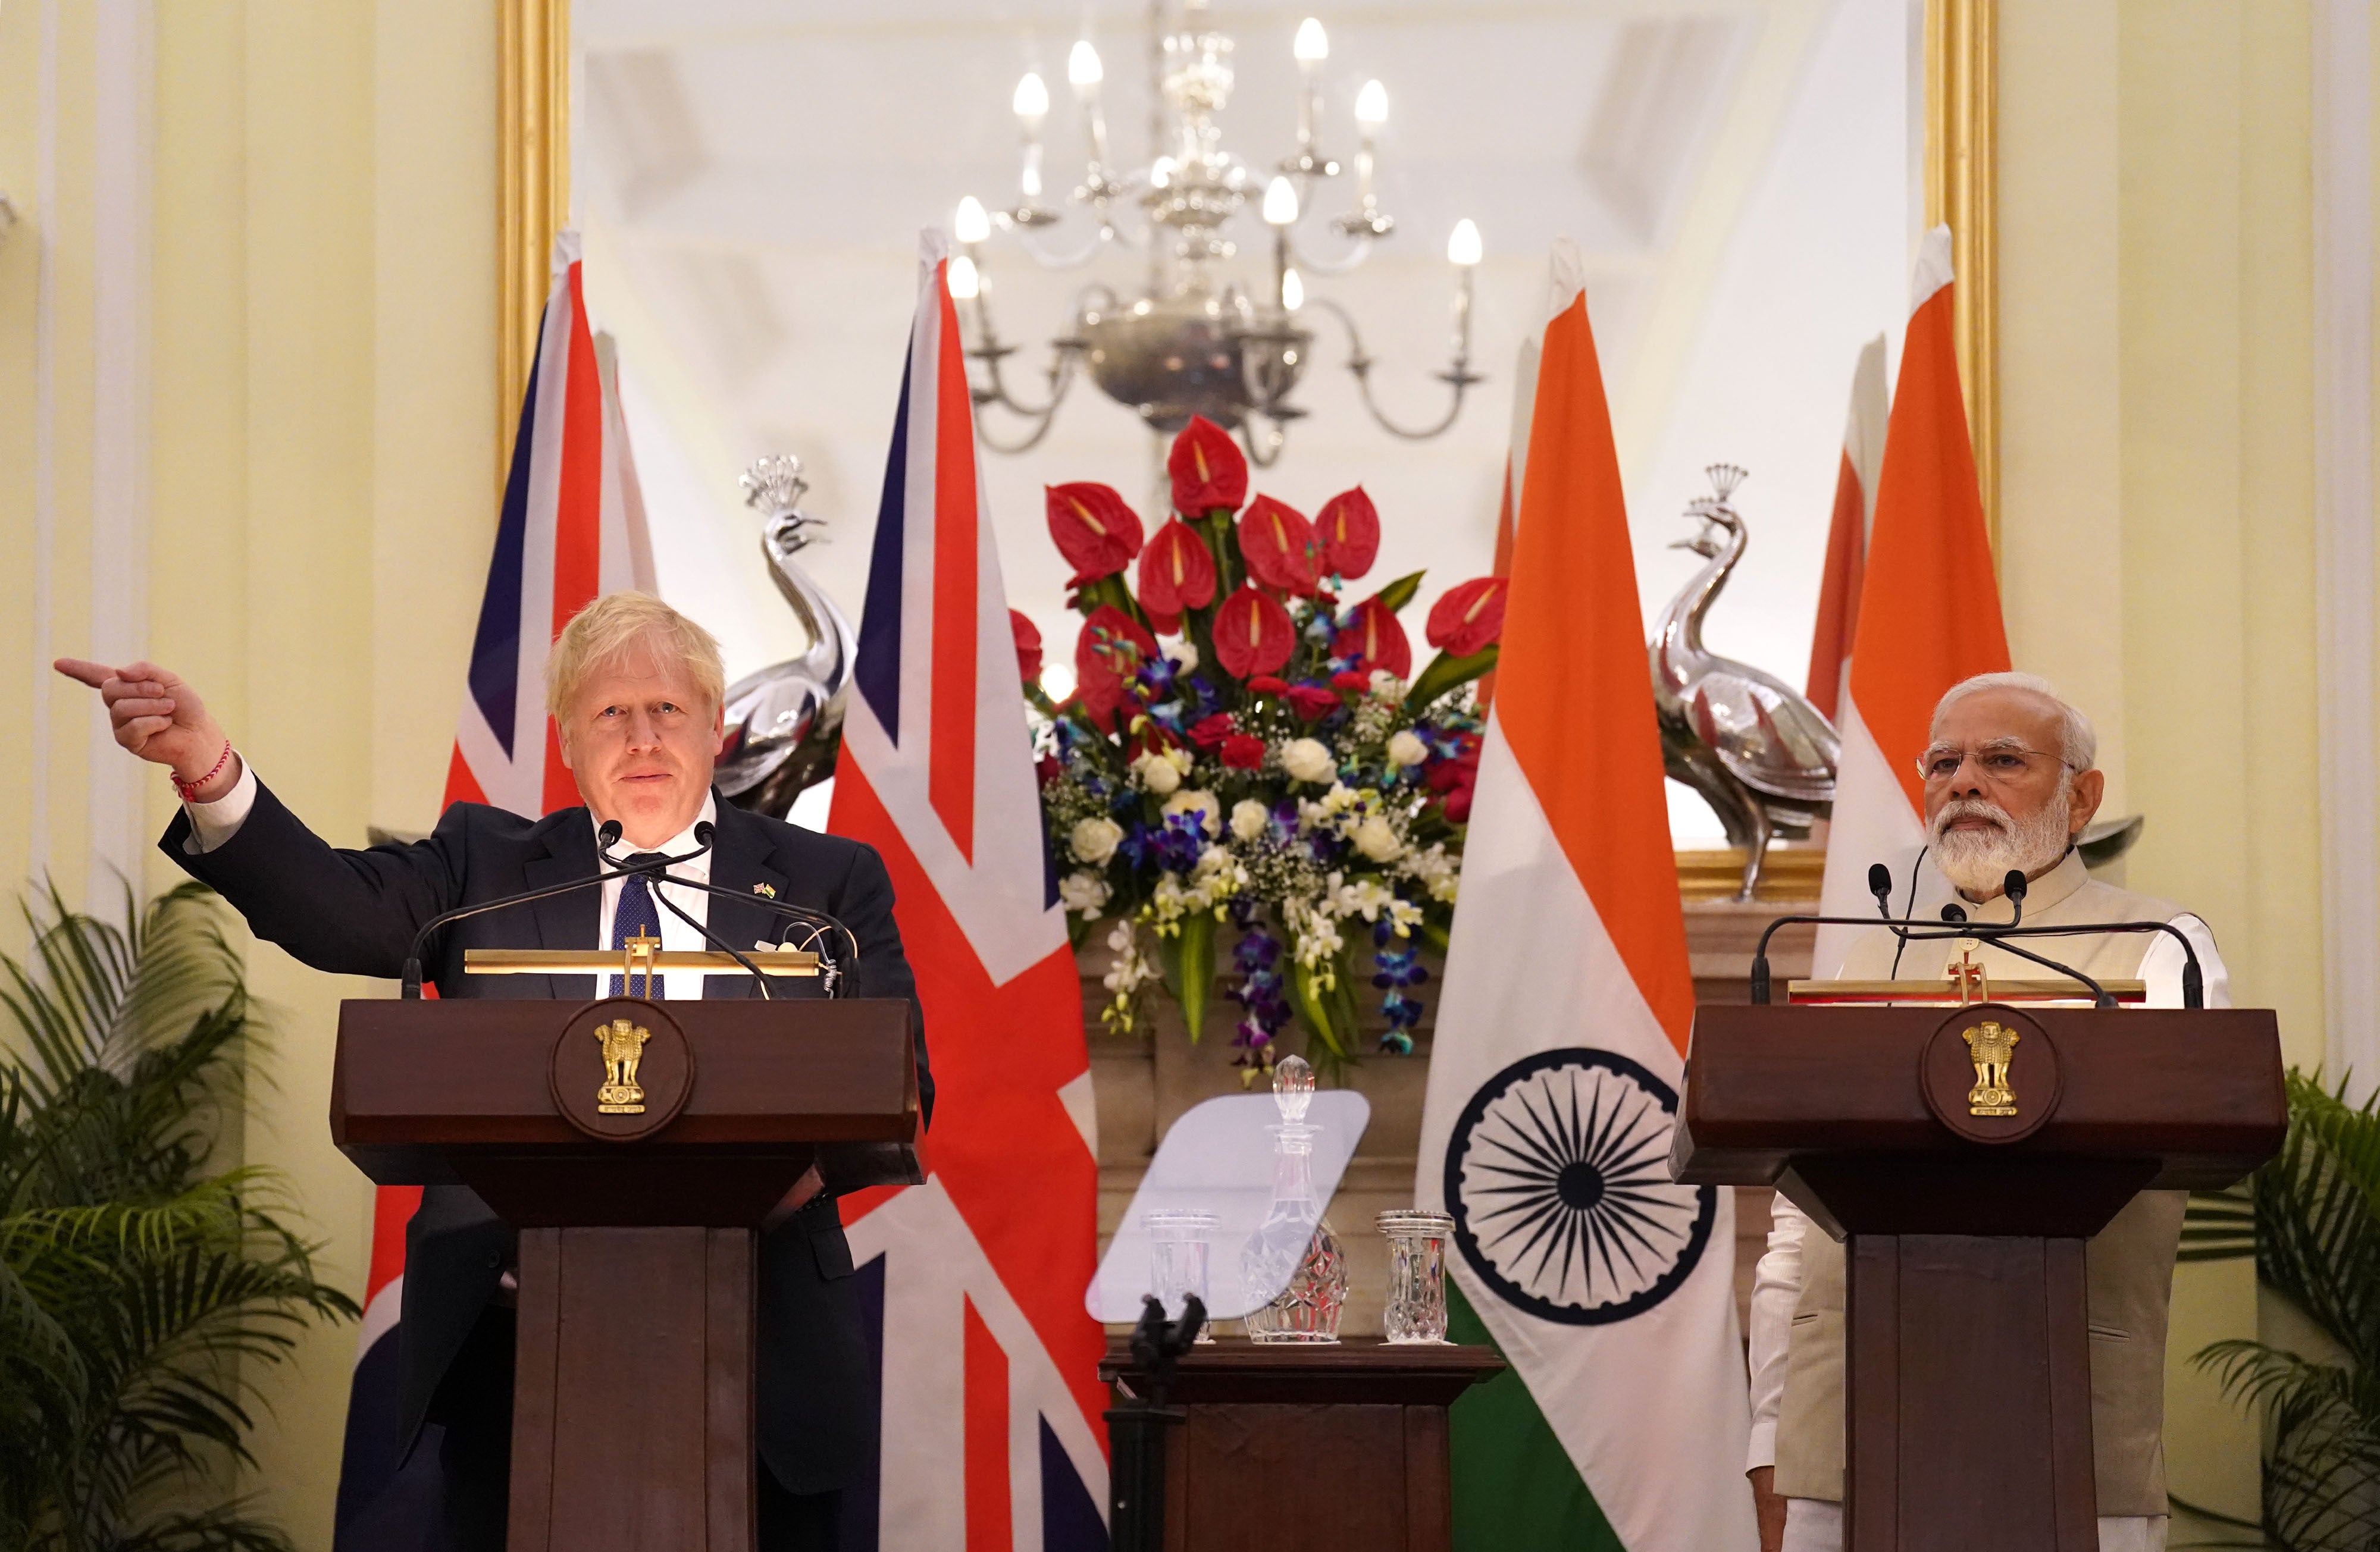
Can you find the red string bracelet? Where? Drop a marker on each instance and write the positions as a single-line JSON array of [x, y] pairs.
[[190, 790]]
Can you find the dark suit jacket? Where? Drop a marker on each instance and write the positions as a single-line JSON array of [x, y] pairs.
[[354, 913]]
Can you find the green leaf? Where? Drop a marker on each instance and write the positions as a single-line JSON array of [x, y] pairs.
[[1398, 593], [1446, 673], [1195, 971], [1313, 1007]]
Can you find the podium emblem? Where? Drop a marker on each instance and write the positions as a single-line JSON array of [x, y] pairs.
[[624, 1047], [1557, 1179], [1992, 1046]]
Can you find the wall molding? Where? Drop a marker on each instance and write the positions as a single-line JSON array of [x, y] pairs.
[[533, 188], [2343, 537]]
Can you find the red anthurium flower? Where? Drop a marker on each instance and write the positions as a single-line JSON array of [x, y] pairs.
[[1244, 752], [1375, 640], [1349, 533], [1208, 469], [1029, 647], [1208, 733], [1452, 778], [1265, 684], [1253, 633], [1468, 617], [1176, 571], [1312, 702], [1352, 681], [1278, 544], [1107, 653], [1096, 533]]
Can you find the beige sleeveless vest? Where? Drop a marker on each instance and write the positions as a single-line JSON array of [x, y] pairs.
[[2130, 1263]]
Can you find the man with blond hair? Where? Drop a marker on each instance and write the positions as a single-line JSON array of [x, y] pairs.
[[636, 692], [2011, 777]]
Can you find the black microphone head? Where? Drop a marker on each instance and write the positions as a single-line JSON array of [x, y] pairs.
[[1954, 913], [704, 831], [1880, 879], [609, 835], [2013, 885]]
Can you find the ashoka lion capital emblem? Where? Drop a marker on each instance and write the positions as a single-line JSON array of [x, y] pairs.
[[624, 1047], [1993, 1045]]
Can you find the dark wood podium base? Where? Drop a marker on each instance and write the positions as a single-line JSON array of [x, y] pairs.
[[632, 1406], [1962, 1439], [1270, 1426]]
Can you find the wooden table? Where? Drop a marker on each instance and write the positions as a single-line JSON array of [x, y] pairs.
[[1278, 1433]]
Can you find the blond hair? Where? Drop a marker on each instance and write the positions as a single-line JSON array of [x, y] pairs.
[[611, 625]]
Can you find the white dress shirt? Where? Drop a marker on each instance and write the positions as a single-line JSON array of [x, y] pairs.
[[211, 824]]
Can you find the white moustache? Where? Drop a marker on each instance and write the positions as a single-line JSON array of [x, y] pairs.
[[1971, 808]]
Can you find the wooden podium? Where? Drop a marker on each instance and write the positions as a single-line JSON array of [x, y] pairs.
[[637, 1146], [1965, 1155]]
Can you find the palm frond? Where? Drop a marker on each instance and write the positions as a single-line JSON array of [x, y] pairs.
[[145, 1299]]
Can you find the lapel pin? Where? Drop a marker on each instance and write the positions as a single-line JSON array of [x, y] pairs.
[[768, 889]]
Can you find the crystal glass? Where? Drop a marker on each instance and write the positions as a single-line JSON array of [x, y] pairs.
[[1416, 1307], [1295, 1248], [1178, 1244]]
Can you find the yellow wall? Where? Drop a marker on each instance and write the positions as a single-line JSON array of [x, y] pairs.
[[321, 468], [2158, 527], [321, 478]]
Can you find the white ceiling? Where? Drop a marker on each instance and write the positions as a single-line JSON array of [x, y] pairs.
[[752, 176]]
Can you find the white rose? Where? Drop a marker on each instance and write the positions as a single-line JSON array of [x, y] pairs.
[[1083, 892], [1249, 818], [1405, 747], [1158, 774], [1094, 839], [1307, 760], [1377, 839], [1183, 654], [1205, 805]]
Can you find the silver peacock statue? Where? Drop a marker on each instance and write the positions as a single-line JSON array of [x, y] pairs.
[[784, 724], [1759, 754]]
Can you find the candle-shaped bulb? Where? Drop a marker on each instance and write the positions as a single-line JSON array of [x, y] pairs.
[[1082, 70], [971, 225], [965, 284], [1160, 172], [1463, 244], [1280, 202], [1031, 103], [1372, 106], [1313, 44], [1292, 291]]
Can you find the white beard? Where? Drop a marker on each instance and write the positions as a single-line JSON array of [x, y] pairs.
[[1978, 861]]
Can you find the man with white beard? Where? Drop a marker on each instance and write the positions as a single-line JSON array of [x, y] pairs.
[[2010, 781]]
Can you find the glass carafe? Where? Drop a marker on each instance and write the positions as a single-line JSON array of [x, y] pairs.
[[1295, 1248]]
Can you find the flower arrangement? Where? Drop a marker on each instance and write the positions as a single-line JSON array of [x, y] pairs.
[[1246, 747]]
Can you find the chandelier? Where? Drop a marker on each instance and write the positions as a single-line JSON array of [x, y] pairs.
[[1194, 341]]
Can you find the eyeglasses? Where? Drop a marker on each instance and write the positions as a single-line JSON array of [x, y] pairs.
[[2000, 761]]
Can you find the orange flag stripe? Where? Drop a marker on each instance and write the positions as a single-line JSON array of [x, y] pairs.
[[1573, 697], [1929, 610]]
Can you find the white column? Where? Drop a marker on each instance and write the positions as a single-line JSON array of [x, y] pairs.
[[45, 431], [2343, 537]]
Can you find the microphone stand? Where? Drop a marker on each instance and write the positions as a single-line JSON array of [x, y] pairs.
[[2193, 981], [656, 873]]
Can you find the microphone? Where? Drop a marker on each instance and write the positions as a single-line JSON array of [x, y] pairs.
[[1957, 925], [609, 836], [1879, 884], [656, 871], [817, 921], [409, 986]]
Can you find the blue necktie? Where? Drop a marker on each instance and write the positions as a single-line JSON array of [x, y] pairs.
[[637, 913]]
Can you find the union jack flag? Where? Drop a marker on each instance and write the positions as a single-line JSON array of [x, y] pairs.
[[973, 1282], [572, 530]]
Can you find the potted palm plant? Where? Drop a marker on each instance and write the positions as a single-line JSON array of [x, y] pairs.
[[146, 1291], [2311, 1218]]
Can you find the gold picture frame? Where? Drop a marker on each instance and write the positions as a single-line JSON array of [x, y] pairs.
[[1960, 68]]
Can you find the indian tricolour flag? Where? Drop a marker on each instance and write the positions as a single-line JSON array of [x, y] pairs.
[[1553, 1085], [1929, 610]]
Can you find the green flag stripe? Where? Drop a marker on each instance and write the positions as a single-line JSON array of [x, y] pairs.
[[1515, 1489]]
